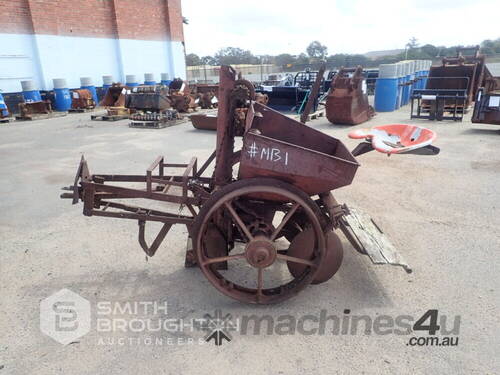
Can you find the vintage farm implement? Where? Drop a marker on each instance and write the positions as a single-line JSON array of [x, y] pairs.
[[263, 225]]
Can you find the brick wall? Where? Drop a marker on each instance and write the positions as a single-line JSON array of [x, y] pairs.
[[141, 19], [124, 19], [174, 20], [15, 17]]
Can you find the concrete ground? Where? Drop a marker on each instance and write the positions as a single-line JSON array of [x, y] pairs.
[[442, 213]]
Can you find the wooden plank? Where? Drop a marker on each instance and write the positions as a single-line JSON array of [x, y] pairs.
[[81, 110], [374, 242], [153, 124], [108, 117], [40, 116]]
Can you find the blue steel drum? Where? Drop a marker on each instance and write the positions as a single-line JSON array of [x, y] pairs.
[[131, 80], [406, 89], [399, 93], [3, 106], [107, 81], [63, 99], [149, 79], [32, 96], [386, 94], [30, 91], [93, 91]]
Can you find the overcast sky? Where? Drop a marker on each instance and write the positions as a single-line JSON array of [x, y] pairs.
[[344, 26]]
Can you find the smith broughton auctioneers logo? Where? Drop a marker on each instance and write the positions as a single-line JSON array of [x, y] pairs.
[[65, 316]]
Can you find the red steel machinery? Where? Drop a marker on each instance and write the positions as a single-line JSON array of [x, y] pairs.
[[263, 223]]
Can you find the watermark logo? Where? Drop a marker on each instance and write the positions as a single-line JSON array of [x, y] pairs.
[[218, 327], [65, 316], [438, 329]]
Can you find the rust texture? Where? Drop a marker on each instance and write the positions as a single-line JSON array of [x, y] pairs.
[[313, 95], [465, 72], [82, 99], [248, 218], [347, 103]]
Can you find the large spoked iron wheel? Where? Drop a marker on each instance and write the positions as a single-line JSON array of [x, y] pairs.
[[242, 227]]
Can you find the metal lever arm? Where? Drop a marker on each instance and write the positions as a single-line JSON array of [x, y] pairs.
[[151, 250]]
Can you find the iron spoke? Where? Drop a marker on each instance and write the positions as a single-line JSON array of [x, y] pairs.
[[260, 283], [287, 217], [296, 260], [223, 259], [238, 220]]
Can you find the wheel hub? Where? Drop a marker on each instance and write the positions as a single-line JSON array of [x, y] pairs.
[[260, 252]]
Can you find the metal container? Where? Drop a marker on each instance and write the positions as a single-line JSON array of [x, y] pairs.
[[149, 79], [386, 88], [347, 102], [88, 84], [107, 81], [62, 95], [300, 155], [82, 99], [165, 80], [204, 121], [30, 92], [4, 112], [400, 75], [131, 80], [148, 98]]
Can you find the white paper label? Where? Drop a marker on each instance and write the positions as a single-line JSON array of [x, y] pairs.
[[75, 95], [429, 97], [494, 101], [124, 91], [197, 100], [214, 100]]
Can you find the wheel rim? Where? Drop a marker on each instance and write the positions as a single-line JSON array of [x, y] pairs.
[[261, 250]]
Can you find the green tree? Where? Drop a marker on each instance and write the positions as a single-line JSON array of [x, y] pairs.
[[317, 50], [429, 51], [302, 59], [490, 47], [192, 59], [412, 43], [232, 55], [208, 60], [284, 59]]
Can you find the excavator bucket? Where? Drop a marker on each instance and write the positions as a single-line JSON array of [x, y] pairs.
[[347, 101], [115, 96]]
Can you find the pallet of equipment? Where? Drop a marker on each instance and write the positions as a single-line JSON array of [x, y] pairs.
[[80, 110], [40, 116], [108, 117], [153, 124], [313, 116]]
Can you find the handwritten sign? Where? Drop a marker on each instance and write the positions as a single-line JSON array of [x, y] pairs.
[[272, 154]]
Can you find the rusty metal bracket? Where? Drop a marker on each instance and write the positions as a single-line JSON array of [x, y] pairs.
[[151, 250], [313, 96]]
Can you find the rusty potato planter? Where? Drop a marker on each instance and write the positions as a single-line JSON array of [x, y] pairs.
[[260, 237]]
